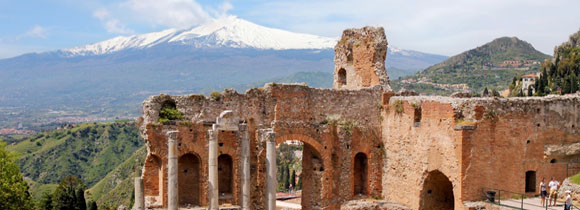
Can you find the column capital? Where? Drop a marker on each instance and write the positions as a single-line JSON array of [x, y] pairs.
[[172, 135], [267, 135]]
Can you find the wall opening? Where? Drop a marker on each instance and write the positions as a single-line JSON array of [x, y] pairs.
[[530, 181], [342, 77], [189, 182], [437, 193], [225, 176], [360, 174], [309, 177]]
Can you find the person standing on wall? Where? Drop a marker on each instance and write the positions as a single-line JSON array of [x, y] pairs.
[[543, 192], [553, 191]]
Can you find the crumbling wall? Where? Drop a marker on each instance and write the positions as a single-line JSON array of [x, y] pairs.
[[333, 123], [359, 59], [476, 143]]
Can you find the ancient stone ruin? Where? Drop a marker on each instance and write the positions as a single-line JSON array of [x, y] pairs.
[[361, 141]]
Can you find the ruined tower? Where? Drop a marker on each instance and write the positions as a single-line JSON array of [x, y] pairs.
[[359, 59]]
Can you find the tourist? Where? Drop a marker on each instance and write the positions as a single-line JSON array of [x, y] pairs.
[[543, 192], [568, 200], [553, 191]]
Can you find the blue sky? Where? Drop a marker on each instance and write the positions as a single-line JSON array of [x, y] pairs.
[[444, 27]]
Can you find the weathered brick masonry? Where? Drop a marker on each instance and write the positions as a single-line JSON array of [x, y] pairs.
[[361, 139]]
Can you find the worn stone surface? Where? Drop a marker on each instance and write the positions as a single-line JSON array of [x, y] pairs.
[[359, 59], [361, 140], [372, 205]]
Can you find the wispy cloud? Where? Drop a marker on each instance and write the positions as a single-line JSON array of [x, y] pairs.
[[112, 25], [170, 13], [37, 31]]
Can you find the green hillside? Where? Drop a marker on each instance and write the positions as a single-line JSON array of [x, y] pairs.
[[90, 151], [117, 187], [484, 66]]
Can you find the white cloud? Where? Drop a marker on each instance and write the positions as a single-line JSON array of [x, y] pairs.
[[112, 25], [37, 31], [169, 13]]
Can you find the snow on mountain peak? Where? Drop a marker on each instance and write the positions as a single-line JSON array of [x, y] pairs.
[[227, 31]]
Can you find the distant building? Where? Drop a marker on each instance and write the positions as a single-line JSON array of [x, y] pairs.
[[528, 81]]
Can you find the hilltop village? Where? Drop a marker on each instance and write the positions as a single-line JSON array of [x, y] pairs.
[[365, 146]]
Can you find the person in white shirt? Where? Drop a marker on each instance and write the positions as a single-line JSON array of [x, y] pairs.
[[568, 200], [553, 191]]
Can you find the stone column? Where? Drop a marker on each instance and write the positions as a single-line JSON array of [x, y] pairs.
[[213, 189], [245, 167], [139, 194], [172, 178], [271, 167]]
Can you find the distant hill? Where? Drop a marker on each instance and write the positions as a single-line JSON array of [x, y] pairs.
[[492, 65], [90, 151]]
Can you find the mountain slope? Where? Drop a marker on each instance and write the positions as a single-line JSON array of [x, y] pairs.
[[89, 151], [491, 65]]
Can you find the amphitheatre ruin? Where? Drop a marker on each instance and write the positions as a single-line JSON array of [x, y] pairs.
[[362, 142]]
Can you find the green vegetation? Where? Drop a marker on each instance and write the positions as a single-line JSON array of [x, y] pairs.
[[169, 112], [13, 189], [93, 151], [117, 187], [69, 195], [575, 179], [215, 95], [288, 166], [561, 75], [479, 68]]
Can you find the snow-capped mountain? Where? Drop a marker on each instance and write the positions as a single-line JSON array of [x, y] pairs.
[[228, 52], [224, 32]]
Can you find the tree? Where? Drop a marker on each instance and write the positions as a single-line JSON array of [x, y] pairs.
[[92, 205], [287, 178], [530, 91], [299, 185], [293, 179], [485, 92], [69, 195], [495, 93], [13, 189], [46, 201]]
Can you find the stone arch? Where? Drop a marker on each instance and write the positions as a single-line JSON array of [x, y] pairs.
[[225, 176], [360, 172], [437, 192], [342, 77], [153, 180], [312, 170], [189, 171]]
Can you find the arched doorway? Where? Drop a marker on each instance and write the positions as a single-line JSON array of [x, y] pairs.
[[189, 173], [437, 193], [310, 178], [342, 77], [360, 170], [225, 177], [153, 181], [530, 181]]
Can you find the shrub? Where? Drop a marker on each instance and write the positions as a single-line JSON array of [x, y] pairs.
[[215, 95], [168, 113]]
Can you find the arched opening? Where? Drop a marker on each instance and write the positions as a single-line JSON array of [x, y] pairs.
[[437, 193], [299, 156], [342, 77], [225, 177], [189, 173], [530, 181], [153, 175], [360, 174]]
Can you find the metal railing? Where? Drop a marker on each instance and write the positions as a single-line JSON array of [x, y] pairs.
[[513, 200]]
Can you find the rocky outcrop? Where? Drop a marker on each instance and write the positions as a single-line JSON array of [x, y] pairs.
[[568, 185]]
